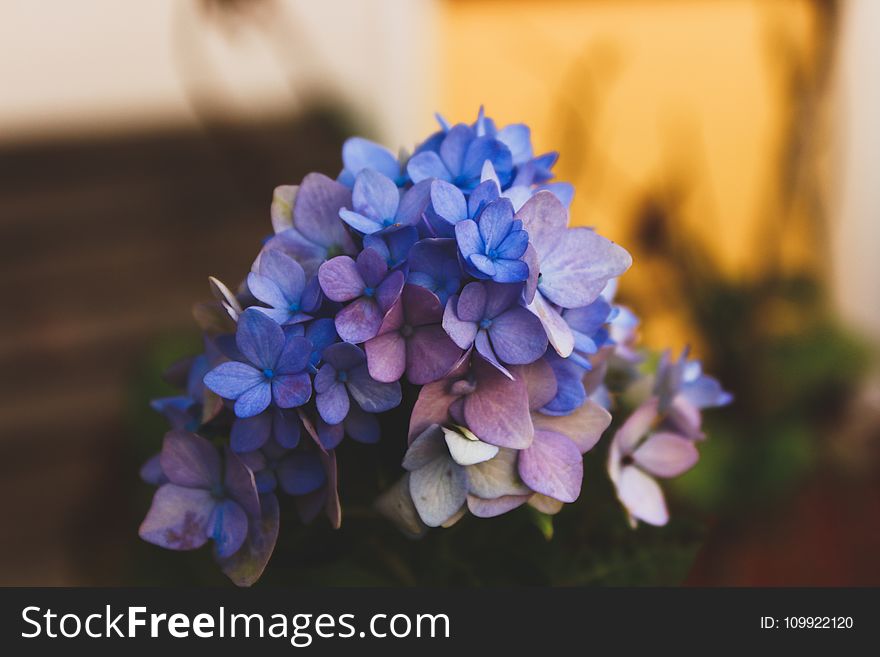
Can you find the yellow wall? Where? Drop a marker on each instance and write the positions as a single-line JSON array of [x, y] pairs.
[[640, 98]]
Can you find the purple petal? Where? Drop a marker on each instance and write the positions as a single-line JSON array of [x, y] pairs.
[[316, 212], [448, 201], [178, 518], [497, 477], [584, 427], [496, 222], [461, 332], [361, 223], [189, 460], [484, 348], [359, 321], [151, 471], [636, 426], [540, 382], [375, 195], [429, 445], [430, 354], [389, 290], [333, 403], [431, 407], [500, 297], [386, 357], [259, 338], [552, 465], [666, 455], [291, 390], [232, 379], [421, 306], [254, 401], [344, 356], [250, 433], [286, 428], [483, 508], [545, 219], [468, 238], [295, 355], [471, 306], [510, 271], [285, 272], [228, 526], [498, 410], [575, 272], [371, 395], [371, 267], [438, 490], [530, 257], [518, 337], [240, 486], [642, 497], [413, 204], [265, 290], [301, 472], [359, 154], [340, 279], [425, 166], [246, 566], [558, 332]]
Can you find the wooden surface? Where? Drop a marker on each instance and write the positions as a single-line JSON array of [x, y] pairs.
[[104, 247]]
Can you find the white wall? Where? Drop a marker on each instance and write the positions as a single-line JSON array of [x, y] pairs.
[[80, 66], [857, 208]]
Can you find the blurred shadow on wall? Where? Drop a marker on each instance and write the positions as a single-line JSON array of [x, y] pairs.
[[105, 243]]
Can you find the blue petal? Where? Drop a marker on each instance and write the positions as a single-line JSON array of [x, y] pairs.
[[467, 235], [426, 166], [259, 338], [359, 153]]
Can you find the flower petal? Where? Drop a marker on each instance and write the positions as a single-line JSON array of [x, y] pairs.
[[517, 336], [497, 477], [498, 410], [246, 566], [552, 465], [386, 356], [359, 154], [259, 338], [254, 401], [228, 527], [333, 403], [438, 489], [558, 332], [468, 238], [584, 427], [291, 390], [483, 508], [371, 395], [465, 451], [250, 433], [316, 212], [636, 426], [189, 460], [362, 426], [178, 518], [666, 455], [232, 379], [642, 497], [359, 321], [301, 472], [425, 166], [430, 354], [340, 279], [448, 201], [471, 305]]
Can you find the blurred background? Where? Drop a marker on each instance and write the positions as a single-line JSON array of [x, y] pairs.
[[732, 146]]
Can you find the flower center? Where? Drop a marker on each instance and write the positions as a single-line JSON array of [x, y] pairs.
[[406, 330], [387, 223], [342, 376], [485, 323], [369, 291], [294, 307], [627, 460], [268, 372], [493, 254]]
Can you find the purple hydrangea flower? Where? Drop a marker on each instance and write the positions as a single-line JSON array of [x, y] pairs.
[[368, 285], [307, 223], [344, 376], [638, 455], [412, 340], [281, 284], [433, 264], [394, 246], [459, 159], [488, 315], [359, 154], [296, 471], [379, 207], [569, 266], [272, 369], [493, 246], [201, 501], [280, 425]]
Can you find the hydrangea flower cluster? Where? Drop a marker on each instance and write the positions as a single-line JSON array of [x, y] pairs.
[[453, 272]]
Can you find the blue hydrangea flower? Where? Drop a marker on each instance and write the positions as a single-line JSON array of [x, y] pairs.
[[493, 246], [369, 287], [489, 317], [273, 369], [433, 264], [281, 284], [359, 154], [201, 501], [344, 377], [459, 159], [378, 206]]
